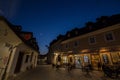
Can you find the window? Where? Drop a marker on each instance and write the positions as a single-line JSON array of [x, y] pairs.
[[92, 40], [76, 43], [109, 36], [66, 46], [86, 58], [115, 57], [105, 58]]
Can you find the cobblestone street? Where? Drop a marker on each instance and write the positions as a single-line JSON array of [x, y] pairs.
[[46, 72]]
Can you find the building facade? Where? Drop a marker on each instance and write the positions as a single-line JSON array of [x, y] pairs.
[[102, 46], [94, 44], [16, 53]]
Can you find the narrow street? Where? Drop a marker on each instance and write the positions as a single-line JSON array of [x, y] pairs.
[[46, 72]]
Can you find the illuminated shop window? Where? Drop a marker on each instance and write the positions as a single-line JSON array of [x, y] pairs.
[[65, 59], [105, 58], [86, 59], [115, 57]]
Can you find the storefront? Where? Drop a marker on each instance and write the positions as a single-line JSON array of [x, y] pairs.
[[110, 56], [64, 60], [106, 58], [95, 61], [82, 60], [78, 61], [115, 57], [86, 59], [55, 58]]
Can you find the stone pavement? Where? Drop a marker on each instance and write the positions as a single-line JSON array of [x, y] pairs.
[[46, 72]]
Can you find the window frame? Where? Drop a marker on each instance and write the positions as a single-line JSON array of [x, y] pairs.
[[105, 36], [92, 37], [76, 43]]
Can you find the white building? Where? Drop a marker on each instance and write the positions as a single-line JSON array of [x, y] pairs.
[[15, 55]]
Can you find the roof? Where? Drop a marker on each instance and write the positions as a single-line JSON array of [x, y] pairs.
[[101, 22], [17, 29]]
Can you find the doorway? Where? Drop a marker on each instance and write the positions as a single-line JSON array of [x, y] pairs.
[[95, 59], [19, 62]]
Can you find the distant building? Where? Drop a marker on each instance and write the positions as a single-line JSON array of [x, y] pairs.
[[42, 59], [18, 50], [94, 43]]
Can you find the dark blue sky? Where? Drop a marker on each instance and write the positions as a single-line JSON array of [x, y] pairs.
[[49, 18]]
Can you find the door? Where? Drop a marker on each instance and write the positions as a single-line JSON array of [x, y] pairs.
[[19, 62], [95, 60]]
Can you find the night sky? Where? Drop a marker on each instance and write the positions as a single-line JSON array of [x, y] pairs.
[[49, 18]]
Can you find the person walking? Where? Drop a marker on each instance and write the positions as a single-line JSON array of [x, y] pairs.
[[58, 62], [70, 64]]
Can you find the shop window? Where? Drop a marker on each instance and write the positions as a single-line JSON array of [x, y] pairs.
[[86, 59], [115, 57], [109, 36], [64, 59], [105, 58], [92, 40]]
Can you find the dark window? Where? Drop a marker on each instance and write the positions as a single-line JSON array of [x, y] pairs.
[[76, 43], [92, 40], [66, 46], [109, 36]]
